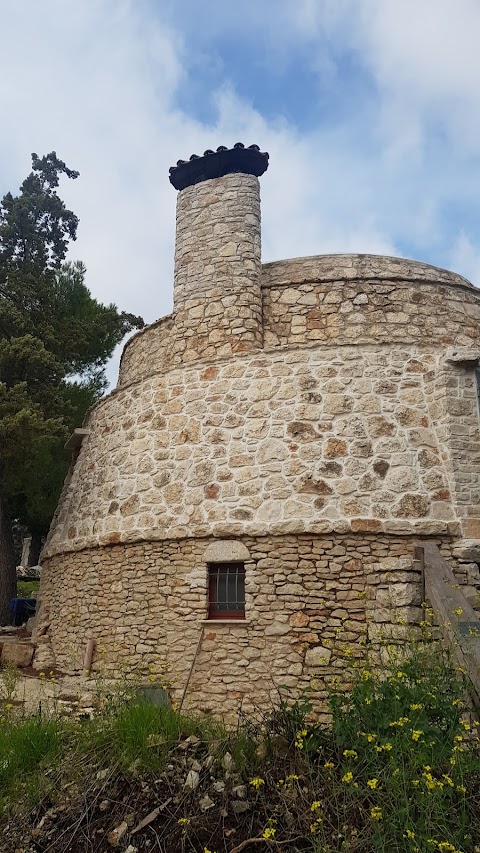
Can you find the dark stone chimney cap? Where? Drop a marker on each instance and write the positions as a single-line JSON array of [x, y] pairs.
[[215, 164]]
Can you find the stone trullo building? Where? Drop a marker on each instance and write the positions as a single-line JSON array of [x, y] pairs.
[[272, 452]]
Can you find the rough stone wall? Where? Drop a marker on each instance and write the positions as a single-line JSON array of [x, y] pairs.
[[309, 600], [452, 399], [331, 299], [291, 441], [152, 350], [464, 441], [369, 311]]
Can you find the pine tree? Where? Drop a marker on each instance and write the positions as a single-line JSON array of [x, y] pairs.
[[55, 340]]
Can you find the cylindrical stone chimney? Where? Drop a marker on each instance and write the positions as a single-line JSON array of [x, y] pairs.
[[217, 290]]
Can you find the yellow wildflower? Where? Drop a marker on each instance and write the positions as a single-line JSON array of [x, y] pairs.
[[299, 738], [409, 833], [257, 782], [376, 813], [347, 777], [457, 612], [446, 847], [314, 827], [416, 734], [371, 737], [399, 723], [329, 765], [315, 806], [292, 778], [350, 753], [387, 747], [430, 782], [183, 821], [373, 784], [417, 706], [269, 832], [448, 780]]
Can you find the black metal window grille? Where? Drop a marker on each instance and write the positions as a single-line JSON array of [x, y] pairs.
[[226, 591]]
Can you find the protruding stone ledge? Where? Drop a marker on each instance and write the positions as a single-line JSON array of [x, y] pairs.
[[389, 527], [76, 439], [343, 267], [463, 356]]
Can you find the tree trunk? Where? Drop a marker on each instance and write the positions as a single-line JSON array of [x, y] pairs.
[[8, 573], [35, 548]]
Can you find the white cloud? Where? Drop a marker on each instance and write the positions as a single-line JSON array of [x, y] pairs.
[[466, 256], [422, 54]]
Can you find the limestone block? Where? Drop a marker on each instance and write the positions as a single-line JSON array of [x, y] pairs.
[[318, 656], [400, 479], [399, 595], [473, 573], [299, 620], [411, 506], [467, 550], [277, 629], [17, 652], [335, 447], [337, 404], [271, 450]]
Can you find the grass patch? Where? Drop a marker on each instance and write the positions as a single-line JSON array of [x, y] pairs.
[[30, 751], [25, 588]]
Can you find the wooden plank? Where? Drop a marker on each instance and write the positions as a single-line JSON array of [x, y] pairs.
[[454, 614], [182, 700]]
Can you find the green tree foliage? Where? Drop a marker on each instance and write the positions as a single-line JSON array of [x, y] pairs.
[[55, 340]]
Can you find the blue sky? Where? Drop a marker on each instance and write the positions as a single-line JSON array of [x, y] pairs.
[[370, 110]]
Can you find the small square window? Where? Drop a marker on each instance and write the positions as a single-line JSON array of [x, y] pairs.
[[226, 591]]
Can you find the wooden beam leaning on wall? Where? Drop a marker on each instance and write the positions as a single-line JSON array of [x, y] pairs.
[[455, 615]]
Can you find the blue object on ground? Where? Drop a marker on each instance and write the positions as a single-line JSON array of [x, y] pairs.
[[22, 609]]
